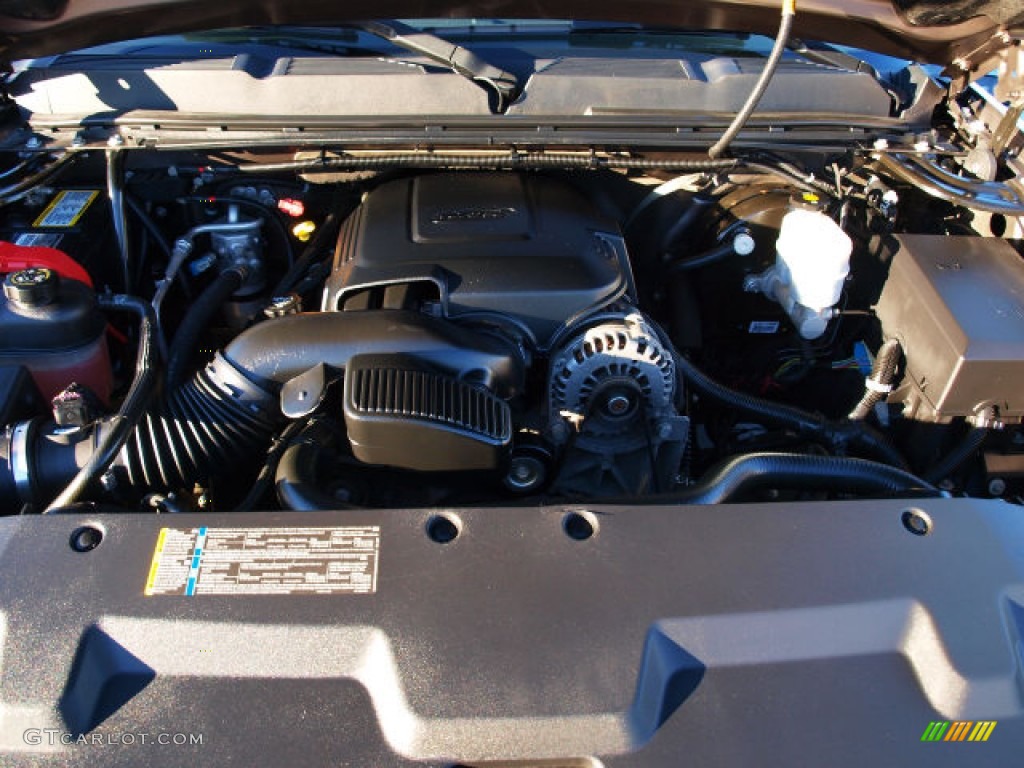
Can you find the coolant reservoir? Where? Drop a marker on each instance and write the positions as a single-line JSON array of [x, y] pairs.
[[813, 258], [53, 327]]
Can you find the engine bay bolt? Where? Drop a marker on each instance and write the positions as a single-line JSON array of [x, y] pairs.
[[33, 142], [881, 144], [283, 305], [996, 486], [108, 481], [78, 140], [665, 431], [117, 140]]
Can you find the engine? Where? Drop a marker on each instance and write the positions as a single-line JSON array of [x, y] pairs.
[[482, 323], [529, 260], [422, 338]]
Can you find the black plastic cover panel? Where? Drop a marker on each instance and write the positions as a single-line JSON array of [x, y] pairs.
[[803, 634], [522, 247], [577, 84], [957, 306], [401, 413], [710, 85]]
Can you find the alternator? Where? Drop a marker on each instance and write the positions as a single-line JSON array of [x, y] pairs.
[[607, 374], [612, 390]]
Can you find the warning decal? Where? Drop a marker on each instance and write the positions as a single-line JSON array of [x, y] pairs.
[[265, 561], [66, 208]]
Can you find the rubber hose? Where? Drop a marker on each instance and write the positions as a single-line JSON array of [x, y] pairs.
[[879, 381], [802, 422], [196, 320], [298, 486], [956, 458], [865, 439], [322, 241], [224, 418], [683, 226], [219, 420], [711, 256], [116, 430], [734, 477], [811, 425], [770, 65]]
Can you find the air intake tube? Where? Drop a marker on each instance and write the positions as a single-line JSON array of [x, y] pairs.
[[226, 415]]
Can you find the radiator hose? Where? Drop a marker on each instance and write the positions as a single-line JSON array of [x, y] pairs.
[[298, 480], [737, 476]]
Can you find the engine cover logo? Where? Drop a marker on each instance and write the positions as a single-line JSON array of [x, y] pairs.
[[472, 214]]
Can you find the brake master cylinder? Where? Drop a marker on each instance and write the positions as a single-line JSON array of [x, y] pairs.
[[812, 260]]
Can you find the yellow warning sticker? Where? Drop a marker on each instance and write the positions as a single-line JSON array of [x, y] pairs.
[[66, 208], [155, 566]]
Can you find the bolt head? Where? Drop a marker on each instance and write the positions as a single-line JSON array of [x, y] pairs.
[[618, 405], [743, 244], [108, 480]]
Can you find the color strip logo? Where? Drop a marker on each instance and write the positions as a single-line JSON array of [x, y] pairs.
[[959, 730]]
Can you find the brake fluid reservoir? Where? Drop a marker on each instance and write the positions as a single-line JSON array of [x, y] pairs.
[[812, 261], [54, 328], [813, 256]]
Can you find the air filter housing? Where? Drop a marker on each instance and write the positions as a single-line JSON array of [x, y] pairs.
[[401, 413]]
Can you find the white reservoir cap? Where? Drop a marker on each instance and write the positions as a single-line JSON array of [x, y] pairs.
[[814, 258]]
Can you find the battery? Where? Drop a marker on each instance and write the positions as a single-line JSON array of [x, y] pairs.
[[73, 220]]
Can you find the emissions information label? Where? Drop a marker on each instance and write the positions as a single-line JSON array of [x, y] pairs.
[[265, 561]]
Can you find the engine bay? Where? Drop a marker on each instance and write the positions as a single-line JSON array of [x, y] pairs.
[[213, 333]]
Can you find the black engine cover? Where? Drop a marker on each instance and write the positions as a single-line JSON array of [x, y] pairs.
[[527, 248]]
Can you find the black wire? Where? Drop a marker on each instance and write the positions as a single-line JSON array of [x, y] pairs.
[[132, 408], [651, 456], [266, 474], [312, 251], [144, 218]]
